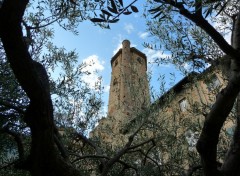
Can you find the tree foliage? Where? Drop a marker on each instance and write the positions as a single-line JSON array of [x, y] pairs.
[[68, 87], [35, 106], [197, 30], [184, 35], [27, 91]]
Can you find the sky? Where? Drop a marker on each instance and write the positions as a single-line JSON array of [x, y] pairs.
[[97, 46]]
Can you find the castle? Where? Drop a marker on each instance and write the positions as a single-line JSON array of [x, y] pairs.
[[174, 113]]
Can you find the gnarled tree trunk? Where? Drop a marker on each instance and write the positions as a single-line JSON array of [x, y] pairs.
[[231, 163], [207, 144], [44, 159]]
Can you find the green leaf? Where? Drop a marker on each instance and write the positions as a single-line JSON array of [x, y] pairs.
[[222, 8], [162, 17], [113, 21], [154, 10], [106, 12], [134, 9], [209, 11], [97, 20], [121, 2], [102, 16], [112, 10], [113, 5], [127, 13], [157, 15]]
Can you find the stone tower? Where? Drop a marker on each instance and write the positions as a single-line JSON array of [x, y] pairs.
[[129, 89]]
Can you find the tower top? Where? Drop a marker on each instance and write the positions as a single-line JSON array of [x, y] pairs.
[[126, 45]]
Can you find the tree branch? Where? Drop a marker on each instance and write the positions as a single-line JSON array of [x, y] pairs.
[[18, 140], [44, 158], [198, 7], [110, 163], [118, 15], [236, 32], [147, 157], [10, 105], [89, 142], [232, 158], [142, 143], [79, 157], [207, 143], [208, 28], [23, 68], [61, 147]]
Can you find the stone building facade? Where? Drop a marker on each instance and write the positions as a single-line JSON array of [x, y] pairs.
[[184, 104]]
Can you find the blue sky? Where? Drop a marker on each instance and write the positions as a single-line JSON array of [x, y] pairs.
[[99, 45]]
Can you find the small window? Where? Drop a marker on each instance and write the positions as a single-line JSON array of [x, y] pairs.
[[115, 63], [183, 104], [213, 84], [139, 60], [115, 81]]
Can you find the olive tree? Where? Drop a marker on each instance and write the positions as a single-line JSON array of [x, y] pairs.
[[194, 31], [28, 91]]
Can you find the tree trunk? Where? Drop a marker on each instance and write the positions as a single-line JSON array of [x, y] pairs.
[[207, 144], [231, 163], [44, 159]]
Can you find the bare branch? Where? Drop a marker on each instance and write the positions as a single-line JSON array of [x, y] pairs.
[[80, 157], [89, 142], [147, 157], [142, 143], [110, 163]]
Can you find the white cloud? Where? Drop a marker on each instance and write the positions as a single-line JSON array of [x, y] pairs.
[[119, 46], [119, 38], [93, 66], [154, 54], [128, 27], [105, 110], [143, 35], [106, 88]]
